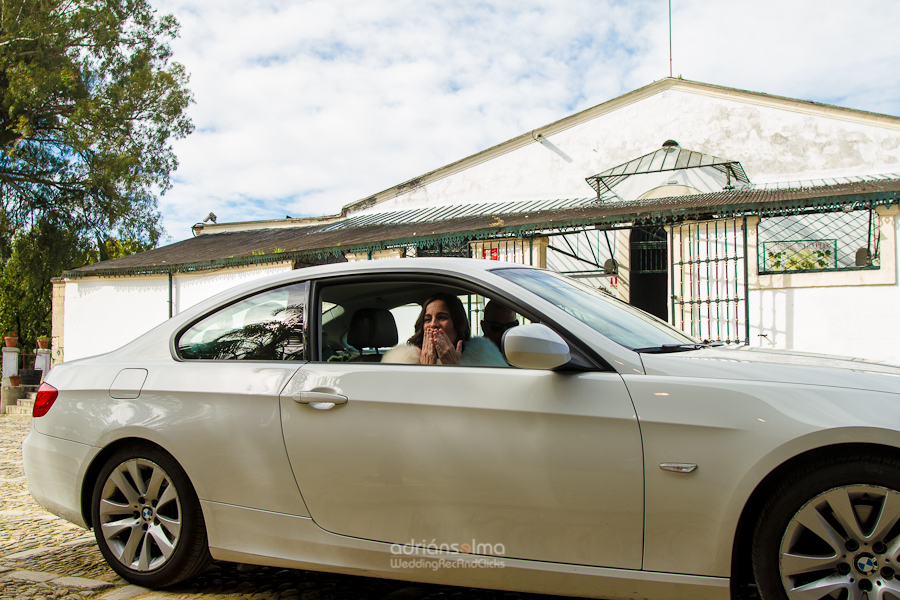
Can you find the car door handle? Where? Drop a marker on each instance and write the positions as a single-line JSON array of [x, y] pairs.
[[320, 400]]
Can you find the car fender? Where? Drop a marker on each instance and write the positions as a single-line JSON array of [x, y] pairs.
[[735, 436], [230, 447], [787, 460]]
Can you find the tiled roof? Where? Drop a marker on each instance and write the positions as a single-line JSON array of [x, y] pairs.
[[823, 181], [480, 221], [457, 211]]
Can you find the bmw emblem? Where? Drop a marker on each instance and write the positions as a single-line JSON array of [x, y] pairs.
[[147, 513], [866, 564]]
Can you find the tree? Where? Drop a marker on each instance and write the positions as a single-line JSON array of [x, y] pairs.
[[89, 102], [25, 288]]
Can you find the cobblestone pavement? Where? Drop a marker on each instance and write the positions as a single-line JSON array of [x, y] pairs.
[[43, 557]]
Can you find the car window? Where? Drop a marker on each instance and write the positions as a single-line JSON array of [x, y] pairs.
[[405, 318], [364, 322], [266, 326], [616, 320]]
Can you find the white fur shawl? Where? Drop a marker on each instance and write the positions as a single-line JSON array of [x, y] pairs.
[[477, 352]]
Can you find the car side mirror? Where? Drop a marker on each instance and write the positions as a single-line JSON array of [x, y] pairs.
[[534, 346]]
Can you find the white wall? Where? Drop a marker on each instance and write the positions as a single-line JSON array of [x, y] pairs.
[[856, 320], [191, 288], [102, 314], [772, 142], [850, 321]]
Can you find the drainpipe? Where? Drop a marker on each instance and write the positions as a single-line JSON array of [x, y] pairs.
[[746, 286], [170, 294]]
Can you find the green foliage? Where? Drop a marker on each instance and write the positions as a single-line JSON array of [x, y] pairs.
[[89, 101], [25, 283], [803, 260], [25, 289], [275, 250], [119, 248]]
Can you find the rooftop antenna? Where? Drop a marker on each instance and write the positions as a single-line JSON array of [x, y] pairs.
[[670, 38]]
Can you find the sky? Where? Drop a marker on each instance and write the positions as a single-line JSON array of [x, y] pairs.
[[304, 106]]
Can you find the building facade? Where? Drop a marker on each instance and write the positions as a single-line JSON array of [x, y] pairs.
[[736, 216]]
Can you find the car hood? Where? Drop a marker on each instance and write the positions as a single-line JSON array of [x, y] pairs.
[[776, 366]]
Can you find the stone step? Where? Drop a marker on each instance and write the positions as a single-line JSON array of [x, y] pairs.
[[28, 389], [25, 403], [18, 410]]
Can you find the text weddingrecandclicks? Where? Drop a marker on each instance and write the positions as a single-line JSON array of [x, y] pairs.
[[398, 562], [421, 555]]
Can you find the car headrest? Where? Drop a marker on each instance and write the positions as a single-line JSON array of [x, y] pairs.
[[372, 328]]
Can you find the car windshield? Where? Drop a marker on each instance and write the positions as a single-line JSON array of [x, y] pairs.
[[616, 320]]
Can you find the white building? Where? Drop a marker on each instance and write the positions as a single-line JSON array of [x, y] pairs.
[[764, 220]]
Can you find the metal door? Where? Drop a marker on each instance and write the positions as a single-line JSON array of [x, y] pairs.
[[709, 279]]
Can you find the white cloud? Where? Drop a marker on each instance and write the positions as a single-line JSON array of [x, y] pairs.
[[303, 107]]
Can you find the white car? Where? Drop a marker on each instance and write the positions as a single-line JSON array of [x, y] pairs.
[[287, 422]]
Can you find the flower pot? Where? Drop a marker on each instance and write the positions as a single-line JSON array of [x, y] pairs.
[[43, 343], [14, 380], [10, 340]]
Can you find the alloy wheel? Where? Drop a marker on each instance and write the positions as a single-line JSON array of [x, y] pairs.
[[844, 543], [140, 514]]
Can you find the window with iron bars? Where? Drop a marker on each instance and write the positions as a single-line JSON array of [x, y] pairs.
[[810, 243]]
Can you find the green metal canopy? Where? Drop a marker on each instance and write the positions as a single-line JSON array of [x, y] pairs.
[[670, 157]]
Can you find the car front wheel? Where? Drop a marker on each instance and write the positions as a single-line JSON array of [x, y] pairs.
[[832, 533], [147, 518]]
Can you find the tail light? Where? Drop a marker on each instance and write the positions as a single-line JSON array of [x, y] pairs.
[[46, 396]]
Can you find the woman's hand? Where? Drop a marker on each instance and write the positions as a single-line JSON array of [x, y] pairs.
[[442, 346], [427, 355]]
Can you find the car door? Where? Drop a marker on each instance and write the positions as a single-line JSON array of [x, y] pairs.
[[506, 462], [232, 364]]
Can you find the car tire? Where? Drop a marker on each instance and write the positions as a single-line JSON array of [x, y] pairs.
[[834, 526], [147, 519]]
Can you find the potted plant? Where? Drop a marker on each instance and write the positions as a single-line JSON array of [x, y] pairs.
[[11, 339], [43, 342], [14, 380]]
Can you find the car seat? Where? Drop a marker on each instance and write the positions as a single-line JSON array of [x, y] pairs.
[[371, 328]]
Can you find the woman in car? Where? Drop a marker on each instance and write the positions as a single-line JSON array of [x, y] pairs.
[[442, 336]]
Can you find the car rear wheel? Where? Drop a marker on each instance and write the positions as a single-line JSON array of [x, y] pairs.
[[147, 518], [832, 533]]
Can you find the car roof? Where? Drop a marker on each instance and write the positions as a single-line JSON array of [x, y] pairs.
[[429, 266]]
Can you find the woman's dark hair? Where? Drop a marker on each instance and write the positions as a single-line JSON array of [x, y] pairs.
[[457, 315]]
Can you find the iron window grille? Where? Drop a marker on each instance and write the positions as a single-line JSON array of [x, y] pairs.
[[818, 242]]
